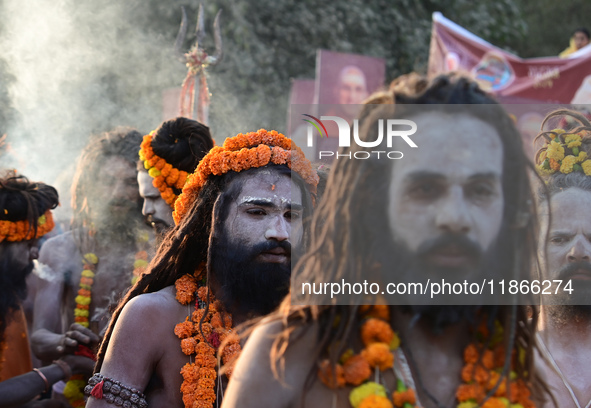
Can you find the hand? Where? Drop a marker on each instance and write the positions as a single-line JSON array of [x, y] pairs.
[[79, 364], [77, 334]]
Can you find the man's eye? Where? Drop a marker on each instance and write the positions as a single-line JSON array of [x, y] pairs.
[[256, 211], [558, 240], [425, 190], [292, 215], [480, 190]]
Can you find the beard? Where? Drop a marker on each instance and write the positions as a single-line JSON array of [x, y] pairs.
[[244, 284], [564, 307], [118, 220], [160, 227], [13, 286]]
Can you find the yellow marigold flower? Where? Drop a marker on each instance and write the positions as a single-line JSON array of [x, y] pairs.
[[555, 151], [572, 137], [42, 220], [82, 300], [154, 172], [72, 389], [81, 312], [365, 390], [91, 258], [395, 343], [567, 164], [573, 144], [557, 131], [140, 263], [586, 165], [376, 401], [467, 404], [87, 273], [581, 157]]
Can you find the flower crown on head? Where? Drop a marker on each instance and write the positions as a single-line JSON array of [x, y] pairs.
[[243, 152], [562, 153], [166, 177], [15, 231]]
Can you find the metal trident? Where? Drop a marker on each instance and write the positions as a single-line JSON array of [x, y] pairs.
[[196, 61]]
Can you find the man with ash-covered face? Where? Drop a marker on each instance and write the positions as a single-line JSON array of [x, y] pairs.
[[167, 156], [241, 220], [565, 248], [451, 209], [89, 267]]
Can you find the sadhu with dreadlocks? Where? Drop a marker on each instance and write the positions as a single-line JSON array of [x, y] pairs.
[[564, 162], [92, 265], [241, 219], [167, 156], [454, 208], [25, 216]]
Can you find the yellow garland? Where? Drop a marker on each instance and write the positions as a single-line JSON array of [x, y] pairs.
[[166, 177], [562, 154], [15, 231], [243, 152]]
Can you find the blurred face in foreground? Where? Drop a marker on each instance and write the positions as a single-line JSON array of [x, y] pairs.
[[446, 197]]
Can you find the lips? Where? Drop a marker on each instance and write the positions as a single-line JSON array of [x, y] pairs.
[[580, 274], [275, 255], [451, 256]]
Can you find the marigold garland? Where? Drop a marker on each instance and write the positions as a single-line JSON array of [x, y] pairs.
[[243, 152], [166, 177], [562, 154], [480, 374], [16, 231], [198, 387]]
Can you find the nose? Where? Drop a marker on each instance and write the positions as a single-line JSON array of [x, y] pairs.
[[278, 229], [452, 216], [580, 251], [148, 207], [34, 253]]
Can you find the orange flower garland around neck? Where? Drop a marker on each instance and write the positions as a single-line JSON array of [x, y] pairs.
[[166, 177], [480, 375], [16, 231], [243, 152], [201, 336]]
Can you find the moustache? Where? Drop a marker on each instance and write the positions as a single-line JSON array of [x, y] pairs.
[[153, 220], [272, 246], [458, 242], [573, 268]]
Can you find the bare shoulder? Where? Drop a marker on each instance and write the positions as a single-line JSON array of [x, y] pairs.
[[138, 340], [254, 381]]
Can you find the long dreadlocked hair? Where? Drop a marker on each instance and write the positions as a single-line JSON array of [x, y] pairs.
[[187, 245], [343, 214], [20, 200], [121, 142]]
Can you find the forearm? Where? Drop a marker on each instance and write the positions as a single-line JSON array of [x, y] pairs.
[[45, 344], [18, 390]]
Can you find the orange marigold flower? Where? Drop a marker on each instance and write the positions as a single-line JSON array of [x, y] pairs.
[[185, 289], [141, 255], [375, 401], [356, 370], [554, 165], [190, 372], [204, 360], [204, 348], [378, 355], [331, 376], [492, 382], [467, 392], [402, 397], [188, 345], [376, 331], [488, 359], [202, 293], [184, 329], [206, 372], [494, 403], [205, 394], [471, 354], [188, 387], [475, 372]]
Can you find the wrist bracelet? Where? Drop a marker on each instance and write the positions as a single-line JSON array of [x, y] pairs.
[[44, 378], [114, 392], [65, 368]]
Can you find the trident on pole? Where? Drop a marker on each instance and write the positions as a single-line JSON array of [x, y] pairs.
[[197, 61]]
